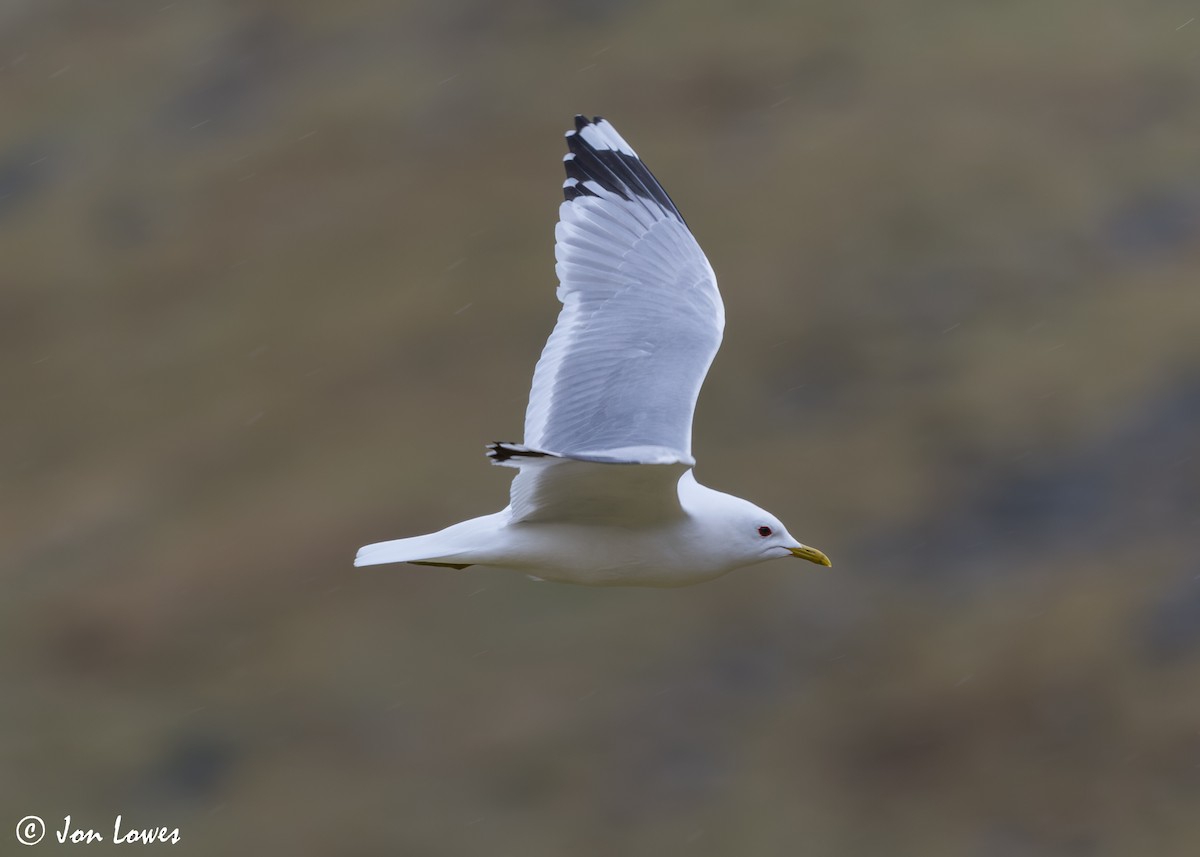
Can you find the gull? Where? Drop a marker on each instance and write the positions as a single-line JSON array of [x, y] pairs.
[[605, 494]]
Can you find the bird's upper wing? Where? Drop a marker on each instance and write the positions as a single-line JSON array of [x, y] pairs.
[[641, 319]]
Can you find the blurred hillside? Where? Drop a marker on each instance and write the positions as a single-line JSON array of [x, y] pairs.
[[273, 273]]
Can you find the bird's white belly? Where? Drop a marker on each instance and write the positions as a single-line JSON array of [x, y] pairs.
[[603, 556]]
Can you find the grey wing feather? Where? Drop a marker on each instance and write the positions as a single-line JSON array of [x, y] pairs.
[[566, 490], [641, 318]]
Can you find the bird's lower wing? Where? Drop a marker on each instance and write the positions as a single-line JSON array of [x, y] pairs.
[[556, 488]]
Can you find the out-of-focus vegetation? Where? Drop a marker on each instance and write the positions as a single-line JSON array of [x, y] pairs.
[[273, 273]]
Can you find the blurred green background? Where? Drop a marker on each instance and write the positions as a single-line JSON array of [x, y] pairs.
[[274, 272]]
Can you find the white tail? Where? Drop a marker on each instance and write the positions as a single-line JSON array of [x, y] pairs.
[[453, 546], [416, 549]]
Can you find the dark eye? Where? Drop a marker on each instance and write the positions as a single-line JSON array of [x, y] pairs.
[[764, 531]]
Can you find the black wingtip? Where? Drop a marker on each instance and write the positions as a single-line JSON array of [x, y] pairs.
[[616, 171], [500, 452]]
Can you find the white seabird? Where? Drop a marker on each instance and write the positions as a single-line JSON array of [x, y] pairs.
[[605, 494]]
